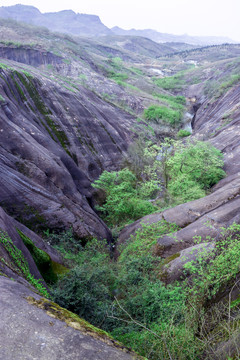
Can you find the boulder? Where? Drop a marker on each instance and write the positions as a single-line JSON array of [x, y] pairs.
[[174, 268]]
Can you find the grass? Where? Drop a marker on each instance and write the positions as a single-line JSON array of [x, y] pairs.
[[175, 82]]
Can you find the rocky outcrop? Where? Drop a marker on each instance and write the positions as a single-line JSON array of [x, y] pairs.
[[174, 266], [11, 229], [35, 328], [26, 55], [53, 144]]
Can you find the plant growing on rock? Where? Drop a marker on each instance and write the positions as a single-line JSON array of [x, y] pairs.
[[163, 114], [124, 199]]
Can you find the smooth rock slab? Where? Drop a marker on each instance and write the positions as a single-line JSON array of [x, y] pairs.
[[29, 333]]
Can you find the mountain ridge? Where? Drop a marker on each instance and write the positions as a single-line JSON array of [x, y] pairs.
[[89, 25], [160, 37]]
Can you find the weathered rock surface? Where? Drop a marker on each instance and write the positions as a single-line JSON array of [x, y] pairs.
[[29, 56], [29, 332], [174, 269], [10, 226], [53, 144]]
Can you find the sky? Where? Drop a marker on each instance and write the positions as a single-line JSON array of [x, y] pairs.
[[192, 17]]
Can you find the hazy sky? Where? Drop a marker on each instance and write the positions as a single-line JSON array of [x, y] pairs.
[[202, 17]]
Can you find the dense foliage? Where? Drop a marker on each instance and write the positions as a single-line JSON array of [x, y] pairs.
[[128, 298], [193, 168], [163, 114], [125, 197], [171, 173]]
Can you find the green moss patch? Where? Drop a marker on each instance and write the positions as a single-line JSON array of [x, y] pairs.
[[74, 321], [50, 270], [171, 258], [18, 263]]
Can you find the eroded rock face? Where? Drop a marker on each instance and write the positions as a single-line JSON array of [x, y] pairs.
[[10, 227], [53, 144], [30, 332], [29, 56]]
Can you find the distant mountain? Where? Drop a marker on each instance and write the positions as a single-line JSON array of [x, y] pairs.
[[141, 45], [66, 21], [163, 37]]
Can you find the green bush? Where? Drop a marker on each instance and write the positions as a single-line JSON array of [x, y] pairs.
[[117, 76], [183, 189], [163, 114], [183, 133], [128, 299], [216, 272], [177, 102], [175, 82], [124, 202], [199, 161]]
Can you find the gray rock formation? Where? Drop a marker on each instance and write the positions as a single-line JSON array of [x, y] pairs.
[[34, 328], [53, 144], [174, 267], [9, 266]]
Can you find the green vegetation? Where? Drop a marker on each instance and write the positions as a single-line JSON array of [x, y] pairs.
[[180, 172], [2, 98], [220, 85], [192, 170], [175, 82], [124, 197], [163, 114], [96, 284], [173, 101], [49, 269], [18, 263], [144, 240], [117, 76], [136, 70], [183, 133], [127, 298]]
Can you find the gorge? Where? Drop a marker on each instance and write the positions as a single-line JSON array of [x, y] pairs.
[[70, 109]]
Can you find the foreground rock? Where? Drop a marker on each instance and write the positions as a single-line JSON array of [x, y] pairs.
[[33, 328]]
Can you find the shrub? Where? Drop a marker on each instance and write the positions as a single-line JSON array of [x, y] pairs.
[[183, 133], [123, 201], [163, 114], [199, 161], [175, 82]]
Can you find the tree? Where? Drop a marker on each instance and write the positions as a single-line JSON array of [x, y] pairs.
[[124, 199], [192, 169]]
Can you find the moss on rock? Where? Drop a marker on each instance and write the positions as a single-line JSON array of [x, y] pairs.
[[74, 321], [50, 270]]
